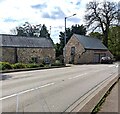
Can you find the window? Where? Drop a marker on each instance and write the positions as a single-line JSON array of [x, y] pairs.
[[72, 50], [47, 60]]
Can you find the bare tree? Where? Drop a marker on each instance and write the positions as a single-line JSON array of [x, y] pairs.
[[102, 15]]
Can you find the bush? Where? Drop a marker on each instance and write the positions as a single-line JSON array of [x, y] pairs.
[[5, 65], [57, 63], [32, 65], [19, 65], [41, 65]]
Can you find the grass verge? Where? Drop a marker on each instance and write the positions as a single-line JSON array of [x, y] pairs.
[[100, 103]]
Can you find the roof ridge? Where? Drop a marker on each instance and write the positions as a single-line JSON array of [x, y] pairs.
[[22, 36]]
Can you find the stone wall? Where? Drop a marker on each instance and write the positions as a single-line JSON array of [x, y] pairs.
[[8, 55], [25, 55], [83, 55], [87, 57], [73, 42]]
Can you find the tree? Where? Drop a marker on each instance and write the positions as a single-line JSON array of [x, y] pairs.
[[114, 41], [96, 35], [58, 49], [78, 29], [75, 29], [25, 30], [102, 15], [32, 30], [44, 31]]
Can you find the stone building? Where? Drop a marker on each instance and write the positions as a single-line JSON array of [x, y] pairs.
[[26, 49], [84, 49]]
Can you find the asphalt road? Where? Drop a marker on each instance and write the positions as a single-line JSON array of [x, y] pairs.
[[51, 90]]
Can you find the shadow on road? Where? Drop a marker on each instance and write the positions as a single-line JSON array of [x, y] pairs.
[[4, 77]]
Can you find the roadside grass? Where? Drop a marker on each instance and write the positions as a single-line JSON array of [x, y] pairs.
[[98, 107]]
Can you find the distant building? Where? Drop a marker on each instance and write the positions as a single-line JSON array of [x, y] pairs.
[[26, 49], [83, 49]]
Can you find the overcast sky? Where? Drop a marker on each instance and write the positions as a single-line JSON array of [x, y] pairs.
[[14, 13]]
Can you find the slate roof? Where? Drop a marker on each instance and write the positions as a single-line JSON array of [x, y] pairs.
[[20, 41], [90, 43]]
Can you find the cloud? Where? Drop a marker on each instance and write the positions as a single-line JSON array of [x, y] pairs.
[[39, 6], [71, 2], [75, 20], [46, 15], [9, 20], [1, 1], [78, 3], [49, 12], [56, 13]]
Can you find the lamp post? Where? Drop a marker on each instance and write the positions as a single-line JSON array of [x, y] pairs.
[[65, 38]]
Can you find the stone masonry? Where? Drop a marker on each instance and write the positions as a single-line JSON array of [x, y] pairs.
[[83, 55], [79, 49], [25, 55]]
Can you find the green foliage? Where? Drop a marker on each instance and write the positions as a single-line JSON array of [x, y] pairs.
[[41, 65], [114, 41], [35, 65], [75, 29], [5, 65], [78, 29], [58, 49], [29, 30], [96, 35], [44, 32], [19, 65], [57, 63]]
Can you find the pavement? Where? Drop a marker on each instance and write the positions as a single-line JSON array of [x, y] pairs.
[[111, 103]]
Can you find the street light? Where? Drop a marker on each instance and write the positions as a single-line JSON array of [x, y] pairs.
[[65, 38]]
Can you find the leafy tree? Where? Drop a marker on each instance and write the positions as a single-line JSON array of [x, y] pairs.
[[44, 31], [58, 49], [75, 29], [78, 29], [25, 30], [32, 30], [102, 15], [114, 41], [96, 35]]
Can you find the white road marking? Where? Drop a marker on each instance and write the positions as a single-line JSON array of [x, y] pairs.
[[117, 66], [22, 92], [111, 65], [77, 76], [84, 74]]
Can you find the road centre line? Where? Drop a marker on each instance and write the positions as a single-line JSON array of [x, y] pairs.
[[117, 65], [84, 74], [22, 92], [49, 84], [111, 65], [77, 76]]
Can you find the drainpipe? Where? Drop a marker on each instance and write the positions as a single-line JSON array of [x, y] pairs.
[[16, 56]]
